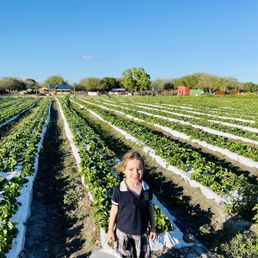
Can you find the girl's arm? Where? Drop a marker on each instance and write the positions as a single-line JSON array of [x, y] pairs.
[[111, 226], [153, 233]]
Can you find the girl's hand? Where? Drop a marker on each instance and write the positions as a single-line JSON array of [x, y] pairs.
[[111, 236], [153, 234]]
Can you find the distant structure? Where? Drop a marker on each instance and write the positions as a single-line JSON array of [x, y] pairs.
[[59, 89], [44, 91], [196, 92], [220, 93], [183, 91], [233, 92], [118, 91]]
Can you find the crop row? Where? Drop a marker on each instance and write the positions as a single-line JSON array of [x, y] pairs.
[[11, 152], [26, 149], [15, 110], [234, 146], [11, 102], [190, 112], [197, 122], [230, 120], [218, 111], [240, 107], [222, 115]]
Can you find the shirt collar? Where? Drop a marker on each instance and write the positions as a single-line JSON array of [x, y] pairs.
[[123, 187]]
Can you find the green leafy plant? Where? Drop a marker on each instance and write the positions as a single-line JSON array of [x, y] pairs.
[[243, 245]]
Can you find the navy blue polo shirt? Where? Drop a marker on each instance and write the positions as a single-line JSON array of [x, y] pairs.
[[133, 210]]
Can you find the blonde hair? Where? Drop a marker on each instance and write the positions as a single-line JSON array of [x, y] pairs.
[[129, 156]]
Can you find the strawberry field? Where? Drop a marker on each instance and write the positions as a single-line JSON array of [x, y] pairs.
[[205, 146]]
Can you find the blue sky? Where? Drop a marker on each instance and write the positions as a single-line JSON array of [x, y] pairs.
[[168, 38]]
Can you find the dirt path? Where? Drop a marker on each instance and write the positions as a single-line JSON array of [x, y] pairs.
[[61, 223]]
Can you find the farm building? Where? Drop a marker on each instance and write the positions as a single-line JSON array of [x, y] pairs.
[[233, 92], [196, 92], [60, 89], [118, 91], [183, 91], [43, 91], [220, 93], [93, 93]]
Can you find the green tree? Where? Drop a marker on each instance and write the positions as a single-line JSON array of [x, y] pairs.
[[228, 83], [161, 85], [12, 84], [142, 79], [54, 79], [203, 81], [207, 82], [157, 85], [32, 84], [90, 84], [128, 80], [178, 82], [77, 87], [136, 79], [250, 87], [167, 85], [189, 81], [109, 83]]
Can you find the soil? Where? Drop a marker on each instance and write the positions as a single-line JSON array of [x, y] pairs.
[[61, 222]]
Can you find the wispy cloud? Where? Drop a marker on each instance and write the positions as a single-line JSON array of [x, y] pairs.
[[89, 58]]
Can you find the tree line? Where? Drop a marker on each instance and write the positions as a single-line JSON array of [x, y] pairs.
[[134, 80]]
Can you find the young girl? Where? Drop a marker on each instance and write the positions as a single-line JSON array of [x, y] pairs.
[[131, 210]]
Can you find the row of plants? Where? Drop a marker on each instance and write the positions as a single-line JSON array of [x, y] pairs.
[[98, 165], [217, 110], [192, 111], [12, 186], [213, 174], [224, 112], [234, 146], [229, 106], [9, 103], [239, 116], [198, 122], [12, 111], [201, 115], [4, 99], [11, 151]]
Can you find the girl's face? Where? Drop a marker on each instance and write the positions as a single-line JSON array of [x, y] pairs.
[[133, 170]]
